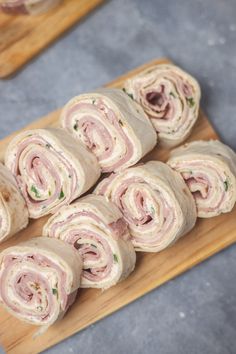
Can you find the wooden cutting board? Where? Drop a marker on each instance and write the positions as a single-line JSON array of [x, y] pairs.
[[208, 237], [22, 37]]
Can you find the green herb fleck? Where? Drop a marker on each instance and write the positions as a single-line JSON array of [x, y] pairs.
[[121, 123], [152, 210], [130, 95], [127, 93], [172, 94], [55, 292], [226, 185], [40, 308], [61, 194], [94, 246], [49, 193], [93, 101], [190, 101], [75, 127], [115, 258], [35, 191], [48, 146], [69, 176]]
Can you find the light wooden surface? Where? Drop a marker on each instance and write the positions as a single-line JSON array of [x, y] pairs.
[[22, 37], [208, 237]]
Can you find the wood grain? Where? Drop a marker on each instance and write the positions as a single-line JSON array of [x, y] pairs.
[[22, 37], [152, 270]]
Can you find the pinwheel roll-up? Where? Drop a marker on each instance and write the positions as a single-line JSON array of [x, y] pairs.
[[13, 210], [112, 126], [51, 168], [96, 228], [209, 169], [170, 97], [155, 202], [27, 7], [39, 279]]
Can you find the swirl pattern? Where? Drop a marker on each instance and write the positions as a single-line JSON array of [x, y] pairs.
[[209, 169], [170, 97], [51, 168], [13, 210], [96, 228], [112, 126], [155, 202], [39, 280]]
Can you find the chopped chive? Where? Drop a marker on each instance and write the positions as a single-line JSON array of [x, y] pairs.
[[121, 123], [130, 95], [55, 291], [48, 146], [75, 127], [93, 101], [226, 185], [40, 308], [35, 191], [190, 101], [115, 258], [49, 193], [127, 93], [152, 210], [172, 94], [61, 194]]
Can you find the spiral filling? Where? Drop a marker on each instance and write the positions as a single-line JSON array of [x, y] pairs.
[[146, 210], [83, 230], [164, 99], [98, 127], [170, 97], [33, 286], [207, 183]]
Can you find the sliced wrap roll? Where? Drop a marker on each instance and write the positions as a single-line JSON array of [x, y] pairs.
[[27, 7], [155, 202], [111, 125], [209, 169], [51, 168], [96, 228], [170, 97], [39, 280], [13, 210]]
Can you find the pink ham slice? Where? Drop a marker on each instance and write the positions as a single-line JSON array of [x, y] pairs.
[[111, 125], [51, 169], [170, 97], [155, 203], [209, 170], [97, 230], [39, 280]]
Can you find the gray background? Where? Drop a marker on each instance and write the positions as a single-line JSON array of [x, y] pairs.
[[196, 312]]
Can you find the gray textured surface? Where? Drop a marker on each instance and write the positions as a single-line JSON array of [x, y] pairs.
[[195, 313]]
